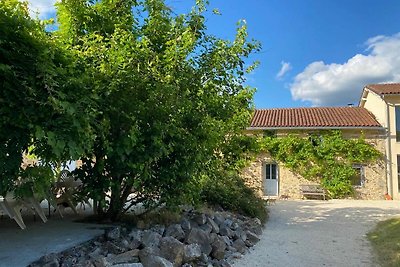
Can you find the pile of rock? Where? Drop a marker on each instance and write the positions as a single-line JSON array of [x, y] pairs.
[[198, 240]]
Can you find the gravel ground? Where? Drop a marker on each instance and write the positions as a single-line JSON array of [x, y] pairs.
[[319, 233]]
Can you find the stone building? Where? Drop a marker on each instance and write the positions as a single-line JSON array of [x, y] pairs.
[[377, 117]]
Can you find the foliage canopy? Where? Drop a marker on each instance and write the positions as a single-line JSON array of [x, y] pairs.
[[168, 96], [151, 103], [40, 96]]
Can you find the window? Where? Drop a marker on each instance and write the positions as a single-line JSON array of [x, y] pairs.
[[397, 116], [358, 178], [270, 171], [316, 138], [269, 133], [398, 173]]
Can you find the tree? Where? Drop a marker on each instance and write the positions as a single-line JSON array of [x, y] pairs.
[[41, 95], [168, 97]]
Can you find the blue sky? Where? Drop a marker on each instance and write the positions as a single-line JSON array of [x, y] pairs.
[[315, 52]]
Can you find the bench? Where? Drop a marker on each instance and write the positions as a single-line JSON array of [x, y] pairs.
[[312, 190]]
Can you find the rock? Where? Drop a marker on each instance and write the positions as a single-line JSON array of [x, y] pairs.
[[134, 244], [219, 219], [234, 226], [136, 235], [252, 238], [224, 263], [206, 228], [233, 256], [200, 237], [228, 222], [136, 264], [159, 229], [227, 240], [204, 258], [151, 239], [256, 229], [186, 225], [100, 261], [48, 257], [112, 248], [113, 234], [257, 221], [148, 259], [213, 224], [191, 252], [175, 231], [240, 234], [226, 231], [232, 249], [50, 260], [200, 219], [95, 253], [52, 263], [254, 226], [84, 263], [125, 244], [172, 250], [211, 240], [213, 237], [239, 245], [130, 256], [69, 261], [218, 248]]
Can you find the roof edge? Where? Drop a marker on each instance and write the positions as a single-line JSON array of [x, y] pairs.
[[375, 90], [318, 128]]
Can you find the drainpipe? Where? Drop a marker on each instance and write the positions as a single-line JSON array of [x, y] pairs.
[[389, 173]]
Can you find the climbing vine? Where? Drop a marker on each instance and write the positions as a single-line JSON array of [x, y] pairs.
[[325, 156]]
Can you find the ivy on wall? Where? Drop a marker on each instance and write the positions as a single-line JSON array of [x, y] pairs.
[[326, 157]]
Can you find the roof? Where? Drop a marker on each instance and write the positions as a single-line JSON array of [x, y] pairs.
[[385, 88], [317, 117]]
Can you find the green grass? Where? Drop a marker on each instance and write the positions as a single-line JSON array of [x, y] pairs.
[[385, 239]]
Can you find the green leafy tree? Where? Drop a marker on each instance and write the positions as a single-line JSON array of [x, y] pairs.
[[169, 95], [42, 101]]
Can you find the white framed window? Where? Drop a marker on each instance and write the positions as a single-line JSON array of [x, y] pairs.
[[358, 179], [398, 173], [270, 171], [397, 118]]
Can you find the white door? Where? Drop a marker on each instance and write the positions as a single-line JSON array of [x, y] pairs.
[[271, 179]]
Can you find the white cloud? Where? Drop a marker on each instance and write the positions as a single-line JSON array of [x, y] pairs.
[[285, 67], [43, 7], [339, 84]]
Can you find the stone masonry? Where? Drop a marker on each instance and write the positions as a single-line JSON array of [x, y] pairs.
[[289, 183]]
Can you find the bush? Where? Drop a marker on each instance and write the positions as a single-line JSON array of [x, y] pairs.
[[231, 193]]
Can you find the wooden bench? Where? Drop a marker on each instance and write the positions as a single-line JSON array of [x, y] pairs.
[[312, 190]]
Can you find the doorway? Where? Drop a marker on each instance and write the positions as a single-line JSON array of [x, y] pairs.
[[271, 179]]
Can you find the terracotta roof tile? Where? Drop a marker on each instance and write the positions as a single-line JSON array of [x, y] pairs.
[[314, 117], [385, 88]]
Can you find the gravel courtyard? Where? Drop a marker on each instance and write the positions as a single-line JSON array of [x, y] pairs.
[[319, 233]]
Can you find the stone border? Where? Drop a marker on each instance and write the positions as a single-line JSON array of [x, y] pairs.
[[199, 239]]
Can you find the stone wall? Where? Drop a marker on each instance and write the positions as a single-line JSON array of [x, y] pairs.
[[253, 174], [289, 183], [375, 174]]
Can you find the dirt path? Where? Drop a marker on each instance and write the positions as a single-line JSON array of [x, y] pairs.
[[319, 233]]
